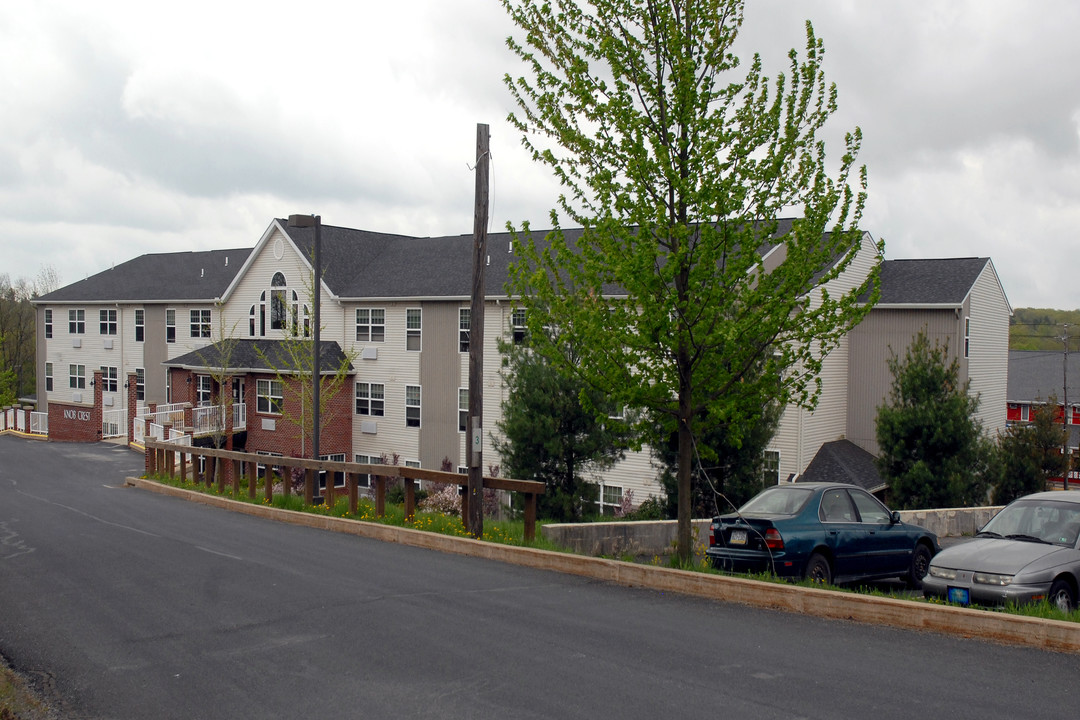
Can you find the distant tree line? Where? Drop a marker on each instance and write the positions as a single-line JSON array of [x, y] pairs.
[[17, 332], [1042, 329]]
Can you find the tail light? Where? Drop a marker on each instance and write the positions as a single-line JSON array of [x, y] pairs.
[[712, 534], [773, 541]]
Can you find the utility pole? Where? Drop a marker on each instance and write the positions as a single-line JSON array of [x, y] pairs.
[[475, 521]]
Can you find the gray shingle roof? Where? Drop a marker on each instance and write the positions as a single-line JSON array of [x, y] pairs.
[[929, 282], [1035, 375], [844, 461], [157, 277], [254, 355]]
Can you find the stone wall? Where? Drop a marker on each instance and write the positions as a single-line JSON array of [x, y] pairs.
[[657, 537]]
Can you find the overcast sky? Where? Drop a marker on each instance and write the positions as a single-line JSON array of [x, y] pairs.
[[135, 127]]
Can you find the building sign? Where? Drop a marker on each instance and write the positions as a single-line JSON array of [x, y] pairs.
[[80, 415]]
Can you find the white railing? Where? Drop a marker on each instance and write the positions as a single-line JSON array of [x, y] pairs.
[[20, 421], [114, 423], [211, 418], [208, 419], [39, 423]]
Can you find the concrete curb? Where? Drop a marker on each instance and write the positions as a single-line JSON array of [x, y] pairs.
[[956, 621]]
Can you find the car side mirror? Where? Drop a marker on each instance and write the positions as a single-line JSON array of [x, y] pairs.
[[895, 517]]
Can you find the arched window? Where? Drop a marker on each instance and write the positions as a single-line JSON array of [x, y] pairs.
[[251, 322], [278, 312]]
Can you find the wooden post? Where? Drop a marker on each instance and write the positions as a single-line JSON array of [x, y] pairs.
[[252, 478], [268, 484], [309, 486], [530, 516], [410, 497], [286, 480], [328, 496], [235, 477], [351, 483], [183, 467], [380, 495], [219, 474]]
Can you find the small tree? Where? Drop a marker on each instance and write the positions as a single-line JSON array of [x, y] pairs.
[[218, 359], [677, 165], [551, 433], [1031, 454], [928, 434], [294, 359]]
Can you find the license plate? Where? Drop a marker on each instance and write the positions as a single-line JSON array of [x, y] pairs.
[[738, 537], [959, 595]]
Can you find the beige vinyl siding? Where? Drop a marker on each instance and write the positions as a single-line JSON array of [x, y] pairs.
[[440, 373], [884, 332], [155, 351], [988, 364]]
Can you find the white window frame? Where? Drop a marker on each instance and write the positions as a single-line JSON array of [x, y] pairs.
[[77, 321], [170, 325], [412, 405], [77, 376], [602, 500], [463, 409], [766, 468], [967, 336], [48, 377], [204, 390], [370, 325], [518, 328], [140, 325], [140, 384], [48, 323], [414, 330], [202, 321], [110, 381], [265, 397], [464, 329], [368, 401], [107, 321]]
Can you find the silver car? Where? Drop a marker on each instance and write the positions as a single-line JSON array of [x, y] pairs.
[[1028, 552]]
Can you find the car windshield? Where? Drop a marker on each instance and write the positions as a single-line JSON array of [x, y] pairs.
[[1037, 521], [778, 501]]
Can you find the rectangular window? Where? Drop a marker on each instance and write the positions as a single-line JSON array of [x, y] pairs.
[[168, 386], [269, 396], [363, 479], [770, 468], [412, 329], [108, 379], [204, 390], [77, 377], [140, 325], [611, 497], [170, 326], [200, 323], [517, 325], [369, 399], [463, 409], [48, 377], [370, 325], [48, 323], [106, 322], [260, 469], [967, 336], [339, 477], [464, 315], [140, 384], [412, 406], [76, 322]]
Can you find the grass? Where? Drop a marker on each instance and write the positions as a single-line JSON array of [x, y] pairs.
[[505, 532], [17, 699]]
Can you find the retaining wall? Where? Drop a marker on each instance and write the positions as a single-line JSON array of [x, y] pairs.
[[657, 537]]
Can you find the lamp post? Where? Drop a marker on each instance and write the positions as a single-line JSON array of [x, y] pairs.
[[315, 221]]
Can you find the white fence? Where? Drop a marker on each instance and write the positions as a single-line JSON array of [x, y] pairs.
[[39, 423], [114, 423], [211, 418], [20, 421]]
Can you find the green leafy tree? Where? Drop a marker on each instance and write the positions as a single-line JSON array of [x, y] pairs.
[[725, 474], [551, 432], [1031, 454], [677, 166], [931, 446]]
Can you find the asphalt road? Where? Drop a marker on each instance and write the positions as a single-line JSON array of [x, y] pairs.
[[128, 604]]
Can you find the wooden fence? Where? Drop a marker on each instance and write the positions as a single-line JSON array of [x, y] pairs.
[[173, 460]]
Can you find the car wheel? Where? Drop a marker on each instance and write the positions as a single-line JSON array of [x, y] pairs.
[[1062, 596], [818, 570], [920, 565]]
